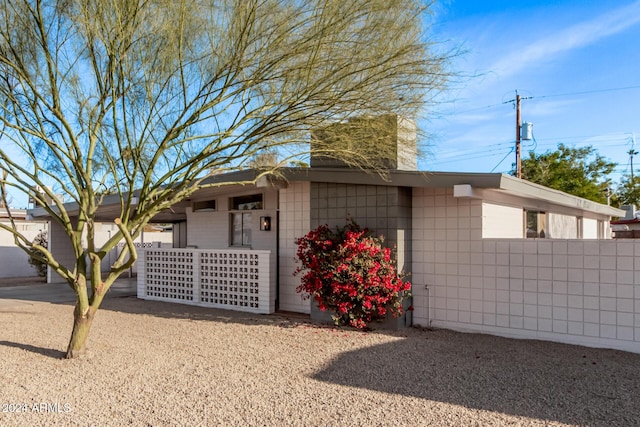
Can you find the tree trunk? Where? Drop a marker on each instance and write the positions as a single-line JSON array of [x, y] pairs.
[[81, 326]]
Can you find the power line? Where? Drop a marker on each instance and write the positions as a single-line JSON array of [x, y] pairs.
[[499, 148], [500, 162], [586, 92]]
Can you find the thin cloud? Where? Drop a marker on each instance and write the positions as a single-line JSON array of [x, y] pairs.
[[574, 37], [549, 108]]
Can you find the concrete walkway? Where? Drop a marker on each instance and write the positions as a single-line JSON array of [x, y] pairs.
[[58, 292]]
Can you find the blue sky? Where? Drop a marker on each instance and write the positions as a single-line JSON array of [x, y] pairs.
[[577, 61]]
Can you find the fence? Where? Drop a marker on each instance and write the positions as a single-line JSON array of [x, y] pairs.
[[574, 291], [228, 279]]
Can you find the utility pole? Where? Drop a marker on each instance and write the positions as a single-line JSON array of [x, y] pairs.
[[632, 153], [518, 125], [518, 133]]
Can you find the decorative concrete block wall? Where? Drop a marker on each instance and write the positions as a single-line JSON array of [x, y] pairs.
[[212, 229], [229, 279], [63, 251]]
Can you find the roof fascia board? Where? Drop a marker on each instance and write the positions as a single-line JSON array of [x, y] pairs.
[[520, 201], [535, 191]]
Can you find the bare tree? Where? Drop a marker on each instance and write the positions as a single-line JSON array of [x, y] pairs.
[[149, 97]]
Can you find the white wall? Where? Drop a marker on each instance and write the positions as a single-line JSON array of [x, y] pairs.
[[574, 291], [212, 230], [14, 262], [589, 228], [208, 230], [502, 221], [294, 223], [61, 249]]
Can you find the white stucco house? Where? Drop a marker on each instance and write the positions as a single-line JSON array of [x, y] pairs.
[[487, 252]]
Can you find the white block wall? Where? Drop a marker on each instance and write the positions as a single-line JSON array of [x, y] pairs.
[[574, 291], [445, 231], [294, 223]]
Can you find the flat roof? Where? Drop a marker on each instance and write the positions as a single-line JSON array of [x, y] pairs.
[[492, 181], [15, 213]]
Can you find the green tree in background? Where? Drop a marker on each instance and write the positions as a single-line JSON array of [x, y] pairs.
[[578, 171], [628, 191]]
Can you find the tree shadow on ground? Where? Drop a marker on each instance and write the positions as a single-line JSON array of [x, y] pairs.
[[48, 352], [169, 310], [535, 379]]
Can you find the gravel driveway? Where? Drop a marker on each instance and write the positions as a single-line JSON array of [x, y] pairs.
[[163, 364]]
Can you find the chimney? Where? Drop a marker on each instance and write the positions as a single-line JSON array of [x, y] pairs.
[[387, 141]]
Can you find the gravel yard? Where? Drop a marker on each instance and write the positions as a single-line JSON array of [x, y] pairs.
[[163, 364]]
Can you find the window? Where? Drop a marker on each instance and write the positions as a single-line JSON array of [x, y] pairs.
[[241, 228], [580, 227], [246, 203], [535, 224], [204, 206], [601, 232], [241, 219]]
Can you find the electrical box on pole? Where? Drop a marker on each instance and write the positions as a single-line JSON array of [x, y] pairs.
[[526, 133]]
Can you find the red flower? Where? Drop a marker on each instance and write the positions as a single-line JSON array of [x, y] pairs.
[[350, 273]]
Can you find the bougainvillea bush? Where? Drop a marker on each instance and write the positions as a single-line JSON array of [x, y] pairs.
[[349, 272]]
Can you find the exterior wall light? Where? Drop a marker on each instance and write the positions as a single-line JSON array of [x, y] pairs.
[[265, 223]]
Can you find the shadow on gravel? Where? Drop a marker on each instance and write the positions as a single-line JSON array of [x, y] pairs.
[[541, 380], [169, 310], [49, 352]]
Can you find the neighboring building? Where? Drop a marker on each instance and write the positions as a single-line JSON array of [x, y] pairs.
[[14, 262], [629, 226], [487, 252]]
